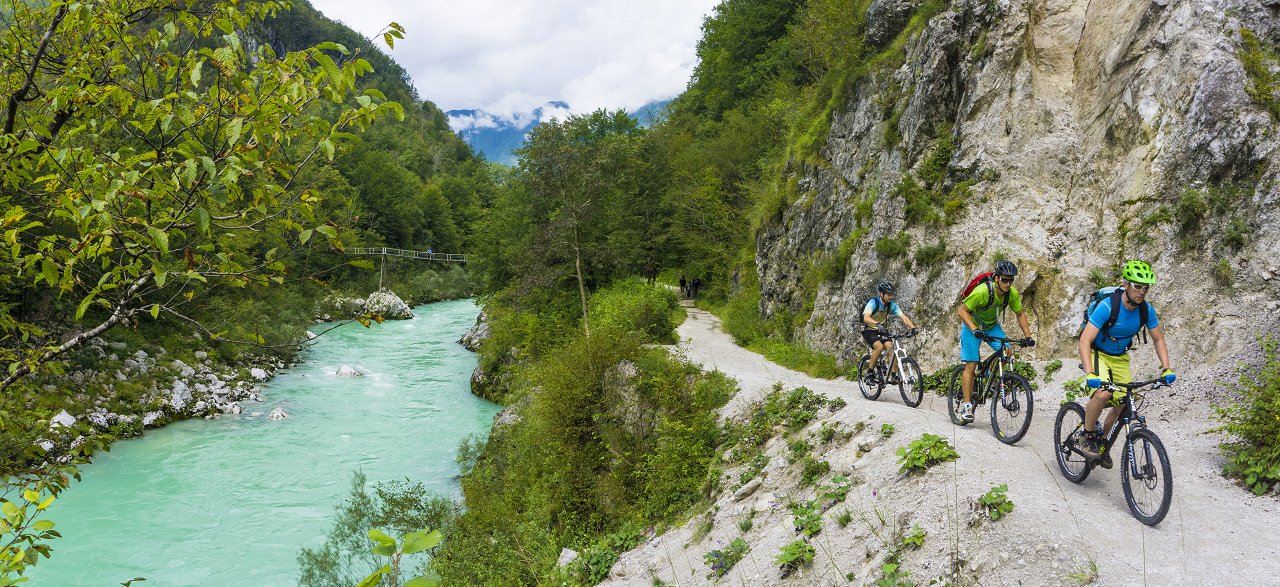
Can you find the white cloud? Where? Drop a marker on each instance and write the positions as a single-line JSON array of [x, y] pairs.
[[509, 57]]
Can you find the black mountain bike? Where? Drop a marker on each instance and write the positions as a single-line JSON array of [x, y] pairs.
[[1009, 392], [909, 381], [1145, 472]]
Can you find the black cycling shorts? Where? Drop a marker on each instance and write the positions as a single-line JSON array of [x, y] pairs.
[[870, 336]]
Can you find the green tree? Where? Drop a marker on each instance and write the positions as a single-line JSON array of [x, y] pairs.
[[152, 153]]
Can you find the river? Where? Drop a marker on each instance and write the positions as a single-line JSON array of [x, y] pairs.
[[229, 502]]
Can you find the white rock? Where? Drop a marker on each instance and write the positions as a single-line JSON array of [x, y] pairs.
[[150, 418], [567, 556], [141, 355], [121, 376], [233, 408], [349, 371], [63, 419], [278, 414], [311, 335], [47, 445], [183, 368], [387, 304], [202, 355], [258, 374], [746, 490]]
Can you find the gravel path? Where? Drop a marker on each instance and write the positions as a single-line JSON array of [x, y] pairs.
[[1215, 533]]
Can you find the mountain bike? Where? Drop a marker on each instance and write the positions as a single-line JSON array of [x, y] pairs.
[[1145, 472], [1009, 392], [907, 374]]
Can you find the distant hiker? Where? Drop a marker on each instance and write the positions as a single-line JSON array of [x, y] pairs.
[[697, 283], [683, 291], [650, 273]]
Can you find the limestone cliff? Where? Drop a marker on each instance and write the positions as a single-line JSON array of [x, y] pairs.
[[1066, 134]]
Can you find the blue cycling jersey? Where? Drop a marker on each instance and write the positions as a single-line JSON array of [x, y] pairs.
[[1116, 341]]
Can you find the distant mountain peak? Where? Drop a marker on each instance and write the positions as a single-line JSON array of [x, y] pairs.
[[498, 136]]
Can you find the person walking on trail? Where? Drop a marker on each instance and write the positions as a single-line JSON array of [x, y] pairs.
[[697, 283], [980, 313], [683, 283], [875, 315], [1104, 351]]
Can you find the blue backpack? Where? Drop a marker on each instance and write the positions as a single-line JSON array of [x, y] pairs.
[[1114, 293]]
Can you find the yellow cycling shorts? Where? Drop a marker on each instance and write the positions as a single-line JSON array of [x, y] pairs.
[[1113, 368]]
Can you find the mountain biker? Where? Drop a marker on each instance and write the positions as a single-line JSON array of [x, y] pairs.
[[1106, 354], [980, 315], [875, 315]]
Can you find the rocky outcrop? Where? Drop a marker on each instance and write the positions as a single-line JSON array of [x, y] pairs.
[[1066, 133], [476, 335], [384, 303], [348, 371]]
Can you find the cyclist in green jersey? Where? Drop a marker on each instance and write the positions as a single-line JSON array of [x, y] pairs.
[[980, 317]]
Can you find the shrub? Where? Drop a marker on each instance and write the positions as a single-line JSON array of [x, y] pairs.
[[633, 306], [913, 539], [795, 555], [812, 470], [1223, 274], [807, 518], [925, 452], [721, 560], [837, 492], [1259, 64], [799, 449], [932, 255], [887, 429], [1250, 417], [742, 318], [844, 517], [837, 265], [1236, 235], [995, 502], [1190, 210], [893, 247]]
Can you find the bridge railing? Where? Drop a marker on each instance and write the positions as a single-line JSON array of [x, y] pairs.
[[390, 252]]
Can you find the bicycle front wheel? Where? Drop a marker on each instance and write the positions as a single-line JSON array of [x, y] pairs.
[[1074, 466], [868, 383], [1147, 477], [1011, 407], [955, 396], [911, 385]]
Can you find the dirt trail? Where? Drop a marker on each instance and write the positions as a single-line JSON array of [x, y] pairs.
[[1215, 533]]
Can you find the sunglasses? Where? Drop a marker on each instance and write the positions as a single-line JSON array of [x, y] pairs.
[[1006, 280], [1140, 286]]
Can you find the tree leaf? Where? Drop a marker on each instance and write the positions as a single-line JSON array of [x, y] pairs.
[[160, 238], [380, 536], [326, 147], [155, 311], [43, 525], [202, 221], [421, 540], [304, 236], [375, 578]]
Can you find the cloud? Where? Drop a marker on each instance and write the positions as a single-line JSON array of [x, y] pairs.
[[510, 57]]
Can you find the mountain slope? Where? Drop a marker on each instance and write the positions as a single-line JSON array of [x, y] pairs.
[[498, 137]]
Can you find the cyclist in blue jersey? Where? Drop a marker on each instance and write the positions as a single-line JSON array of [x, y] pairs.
[[1104, 352], [874, 316]]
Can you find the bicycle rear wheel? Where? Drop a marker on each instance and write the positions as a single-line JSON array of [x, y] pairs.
[[868, 383], [1147, 477], [1074, 466], [955, 396], [912, 384], [1011, 407]]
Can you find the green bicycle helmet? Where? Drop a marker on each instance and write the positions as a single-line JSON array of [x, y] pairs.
[[1136, 271]]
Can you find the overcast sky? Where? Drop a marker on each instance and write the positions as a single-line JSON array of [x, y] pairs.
[[509, 57]]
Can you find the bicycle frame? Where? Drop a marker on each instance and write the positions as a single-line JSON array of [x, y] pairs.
[[982, 383], [899, 351], [1129, 421]]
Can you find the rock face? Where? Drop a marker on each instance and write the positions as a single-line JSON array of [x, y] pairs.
[[477, 334], [1058, 133], [388, 305]]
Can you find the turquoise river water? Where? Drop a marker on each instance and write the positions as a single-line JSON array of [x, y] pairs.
[[229, 502]]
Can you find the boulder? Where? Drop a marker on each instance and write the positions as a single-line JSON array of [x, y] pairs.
[[476, 334], [62, 420], [259, 374], [387, 304], [567, 556], [887, 18], [201, 355], [349, 371], [278, 414]]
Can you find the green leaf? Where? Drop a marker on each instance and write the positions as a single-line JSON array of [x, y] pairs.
[[43, 525], [326, 147], [384, 549], [423, 581], [380, 536], [160, 238], [48, 501], [363, 264], [421, 540], [202, 220], [304, 236], [376, 577], [195, 72], [155, 311], [9, 509], [161, 276], [84, 306], [328, 231]]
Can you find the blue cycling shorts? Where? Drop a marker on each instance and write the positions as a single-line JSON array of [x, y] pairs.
[[970, 345]]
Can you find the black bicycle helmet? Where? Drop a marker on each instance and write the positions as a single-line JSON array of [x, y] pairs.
[[1006, 268], [885, 287]]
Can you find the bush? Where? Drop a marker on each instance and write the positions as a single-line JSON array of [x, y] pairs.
[[795, 555], [1250, 417], [893, 247], [932, 255], [633, 306], [1259, 64], [925, 452], [742, 318], [1053, 367], [812, 469], [722, 560], [1223, 274], [1190, 210]]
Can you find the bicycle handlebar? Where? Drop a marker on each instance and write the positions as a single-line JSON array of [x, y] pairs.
[[1013, 341], [883, 336], [1154, 383]]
